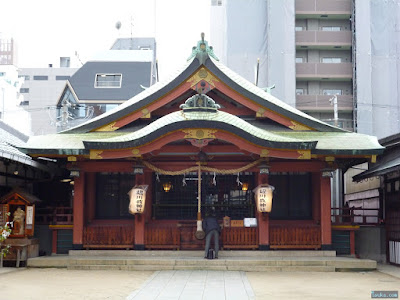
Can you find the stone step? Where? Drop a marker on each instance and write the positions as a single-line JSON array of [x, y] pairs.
[[199, 253], [320, 264], [205, 267]]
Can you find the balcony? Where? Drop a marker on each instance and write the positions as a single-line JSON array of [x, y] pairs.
[[324, 71], [323, 40], [338, 9], [321, 103]]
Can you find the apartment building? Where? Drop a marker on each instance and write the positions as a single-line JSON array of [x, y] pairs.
[[8, 50], [41, 89], [316, 53], [324, 60]]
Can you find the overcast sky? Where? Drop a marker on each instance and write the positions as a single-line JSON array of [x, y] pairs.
[[47, 29]]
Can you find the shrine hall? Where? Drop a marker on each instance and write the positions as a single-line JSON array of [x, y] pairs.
[[204, 140]]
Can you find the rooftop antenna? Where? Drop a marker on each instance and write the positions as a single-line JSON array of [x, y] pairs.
[[131, 33], [78, 58], [118, 27]]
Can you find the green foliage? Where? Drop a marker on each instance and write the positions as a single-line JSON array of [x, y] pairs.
[[5, 231]]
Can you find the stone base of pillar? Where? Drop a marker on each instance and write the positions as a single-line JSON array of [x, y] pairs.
[[77, 246], [264, 247], [139, 247], [326, 247]]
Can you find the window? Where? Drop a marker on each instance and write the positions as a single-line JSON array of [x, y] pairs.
[[299, 91], [25, 77], [216, 2], [24, 90], [108, 81], [112, 200], [331, 28], [40, 77], [24, 103], [62, 77], [331, 60], [299, 59], [332, 92], [2, 74], [292, 196]]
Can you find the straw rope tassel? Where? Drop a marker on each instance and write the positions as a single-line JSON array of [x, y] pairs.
[[204, 168]]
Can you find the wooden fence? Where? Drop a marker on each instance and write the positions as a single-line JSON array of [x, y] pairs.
[[109, 236], [287, 237]]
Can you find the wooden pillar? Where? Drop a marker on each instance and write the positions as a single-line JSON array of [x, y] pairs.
[[90, 196], [316, 203], [54, 242], [78, 211], [263, 220], [140, 219], [352, 243], [326, 228]]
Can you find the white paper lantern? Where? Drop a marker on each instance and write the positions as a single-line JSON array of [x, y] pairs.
[[264, 194], [137, 197]]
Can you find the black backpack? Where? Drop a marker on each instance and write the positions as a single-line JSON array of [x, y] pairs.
[[211, 254]]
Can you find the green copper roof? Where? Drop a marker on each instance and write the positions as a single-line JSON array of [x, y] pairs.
[[319, 142]]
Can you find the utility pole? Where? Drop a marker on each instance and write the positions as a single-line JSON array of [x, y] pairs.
[[333, 102]]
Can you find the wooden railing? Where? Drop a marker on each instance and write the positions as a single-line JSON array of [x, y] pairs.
[[162, 237], [240, 238], [54, 215], [109, 236], [292, 237], [355, 215]]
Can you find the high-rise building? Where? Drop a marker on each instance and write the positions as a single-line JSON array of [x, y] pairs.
[[8, 50], [335, 60]]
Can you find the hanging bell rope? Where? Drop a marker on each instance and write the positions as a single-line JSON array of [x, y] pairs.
[[202, 168], [199, 193]]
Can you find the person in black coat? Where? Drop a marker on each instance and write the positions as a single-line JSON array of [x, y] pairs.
[[212, 229]]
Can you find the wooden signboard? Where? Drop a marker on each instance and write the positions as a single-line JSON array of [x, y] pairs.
[[237, 223]]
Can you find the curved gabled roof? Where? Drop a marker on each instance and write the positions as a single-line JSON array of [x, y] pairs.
[[184, 120], [227, 77], [137, 102], [329, 143], [263, 98]]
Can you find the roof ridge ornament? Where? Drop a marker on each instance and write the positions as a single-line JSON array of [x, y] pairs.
[[200, 102], [202, 51]]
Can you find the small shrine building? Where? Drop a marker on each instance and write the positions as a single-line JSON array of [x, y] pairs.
[[203, 140]]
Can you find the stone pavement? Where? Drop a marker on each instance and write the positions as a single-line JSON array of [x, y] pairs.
[[193, 285]]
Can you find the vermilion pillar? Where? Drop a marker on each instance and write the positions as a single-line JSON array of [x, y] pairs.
[[78, 211], [326, 228], [140, 219], [263, 220]]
